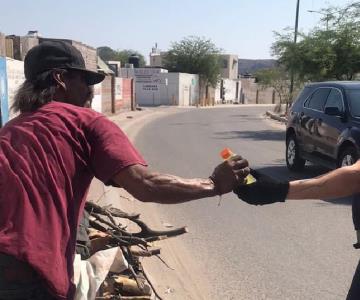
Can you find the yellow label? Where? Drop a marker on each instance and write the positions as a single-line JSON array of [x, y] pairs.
[[250, 179]]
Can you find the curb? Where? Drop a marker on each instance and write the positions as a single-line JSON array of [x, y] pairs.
[[276, 117]]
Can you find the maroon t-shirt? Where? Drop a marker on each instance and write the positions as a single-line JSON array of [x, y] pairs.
[[47, 161]]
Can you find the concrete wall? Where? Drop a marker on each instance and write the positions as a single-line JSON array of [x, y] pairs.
[[251, 89], [126, 93], [155, 86], [118, 94], [27, 43], [157, 59], [188, 89], [103, 95], [229, 66], [16, 46], [122, 94], [96, 103], [2, 45], [15, 75], [230, 91], [106, 95], [4, 112], [142, 74], [9, 48], [157, 90], [11, 77], [168, 89]]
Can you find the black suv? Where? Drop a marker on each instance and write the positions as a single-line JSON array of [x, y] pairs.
[[324, 125]]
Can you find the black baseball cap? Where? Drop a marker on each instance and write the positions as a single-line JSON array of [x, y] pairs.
[[50, 55]]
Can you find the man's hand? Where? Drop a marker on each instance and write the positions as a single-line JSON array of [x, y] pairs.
[[264, 191], [229, 174]]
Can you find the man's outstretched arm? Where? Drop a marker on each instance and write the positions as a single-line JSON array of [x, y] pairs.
[[148, 186]]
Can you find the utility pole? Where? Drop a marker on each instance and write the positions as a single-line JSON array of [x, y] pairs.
[[295, 39]]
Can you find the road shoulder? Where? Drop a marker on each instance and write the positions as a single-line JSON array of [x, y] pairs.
[[179, 280]]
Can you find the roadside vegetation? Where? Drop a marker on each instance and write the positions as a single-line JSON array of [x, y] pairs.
[[330, 51], [106, 54], [195, 55]]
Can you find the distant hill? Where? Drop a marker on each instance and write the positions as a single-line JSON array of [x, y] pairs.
[[250, 66]]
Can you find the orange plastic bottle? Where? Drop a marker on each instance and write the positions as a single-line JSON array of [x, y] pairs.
[[226, 154]]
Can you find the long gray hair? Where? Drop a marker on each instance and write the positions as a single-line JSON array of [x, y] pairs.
[[33, 94]]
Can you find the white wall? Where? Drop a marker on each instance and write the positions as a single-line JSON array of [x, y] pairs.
[[159, 89], [188, 89], [15, 76], [142, 74], [168, 89], [96, 103], [230, 90]]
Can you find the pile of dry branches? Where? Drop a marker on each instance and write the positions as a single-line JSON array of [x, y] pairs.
[[105, 230]]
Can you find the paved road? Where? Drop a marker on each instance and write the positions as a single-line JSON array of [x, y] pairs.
[[300, 250]]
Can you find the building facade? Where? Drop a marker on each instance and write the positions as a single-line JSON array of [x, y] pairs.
[[156, 86], [229, 66]]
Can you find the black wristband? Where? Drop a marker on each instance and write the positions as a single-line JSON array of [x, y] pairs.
[[264, 191]]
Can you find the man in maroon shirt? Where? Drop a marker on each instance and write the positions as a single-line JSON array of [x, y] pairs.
[[48, 156]]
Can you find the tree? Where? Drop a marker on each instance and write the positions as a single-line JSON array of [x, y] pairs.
[[278, 79], [195, 55], [106, 53], [324, 54]]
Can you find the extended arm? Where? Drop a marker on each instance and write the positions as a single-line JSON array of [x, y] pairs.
[[335, 184], [341, 182], [148, 186]]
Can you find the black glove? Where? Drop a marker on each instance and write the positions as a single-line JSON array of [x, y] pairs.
[[264, 191]]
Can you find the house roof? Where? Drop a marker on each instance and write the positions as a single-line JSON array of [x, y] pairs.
[[103, 67]]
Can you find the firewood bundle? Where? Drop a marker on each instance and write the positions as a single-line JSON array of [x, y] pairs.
[[105, 231]]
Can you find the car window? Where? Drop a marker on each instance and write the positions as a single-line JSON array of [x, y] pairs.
[[317, 99], [335, 100], [303, 94], [353, 97]]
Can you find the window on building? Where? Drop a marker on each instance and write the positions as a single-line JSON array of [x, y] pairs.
[[234, 64], [225, 64]]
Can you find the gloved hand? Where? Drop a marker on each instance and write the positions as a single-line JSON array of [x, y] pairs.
[[264, 191]]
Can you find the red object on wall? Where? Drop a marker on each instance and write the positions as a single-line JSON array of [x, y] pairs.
[[126, 93]]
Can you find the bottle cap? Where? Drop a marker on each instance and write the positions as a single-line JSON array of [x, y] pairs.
[[226, 153]]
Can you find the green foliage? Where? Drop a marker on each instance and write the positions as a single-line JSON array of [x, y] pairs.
[[278, 79], [327, 52], [195, 55], [106, 53]]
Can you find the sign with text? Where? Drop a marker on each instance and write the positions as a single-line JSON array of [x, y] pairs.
[[150, 87]]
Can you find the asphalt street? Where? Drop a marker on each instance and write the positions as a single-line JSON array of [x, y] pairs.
[[296, 250]]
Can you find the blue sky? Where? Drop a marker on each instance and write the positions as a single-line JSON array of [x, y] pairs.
[[239, 27]]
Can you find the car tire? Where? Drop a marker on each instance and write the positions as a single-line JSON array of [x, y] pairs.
[[293, 160], [347, 157]]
